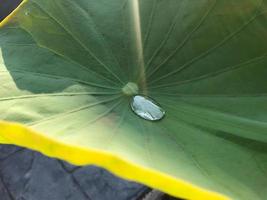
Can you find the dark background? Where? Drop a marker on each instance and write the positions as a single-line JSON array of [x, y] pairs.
[[7, 6]]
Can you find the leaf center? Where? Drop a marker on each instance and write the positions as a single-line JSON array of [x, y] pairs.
[[130, 89]]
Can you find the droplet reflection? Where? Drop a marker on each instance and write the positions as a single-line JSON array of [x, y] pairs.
[[147, 108]]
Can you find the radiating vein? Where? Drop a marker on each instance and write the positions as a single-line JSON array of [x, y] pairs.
[[213, 74], [87, 106], [101, 115], [115, 130], [100, 35], [206, 95], [207, 117], [146, 141], [193, 158], [165, 39], [206, 53], [63, 94], [150, 22], [125, 41], [180, 147], [38, 45], [61, 77], [17, 44], [82, 45], [187, 38]]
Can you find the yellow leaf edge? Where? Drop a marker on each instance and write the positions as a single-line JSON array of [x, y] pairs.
[[17, 134], [8, 18]]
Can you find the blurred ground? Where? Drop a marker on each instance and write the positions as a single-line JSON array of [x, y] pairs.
[[28, 175], [6, 7]]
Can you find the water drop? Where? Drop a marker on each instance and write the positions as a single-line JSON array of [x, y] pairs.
[[147, 108]]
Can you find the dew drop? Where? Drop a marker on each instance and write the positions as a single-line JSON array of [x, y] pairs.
[[147, 108]]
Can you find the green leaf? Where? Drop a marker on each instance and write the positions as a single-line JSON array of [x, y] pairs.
[[63, 65]]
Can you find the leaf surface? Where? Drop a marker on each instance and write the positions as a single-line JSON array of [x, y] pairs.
[[64, 63]]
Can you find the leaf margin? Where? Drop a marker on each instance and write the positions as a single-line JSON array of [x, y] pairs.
[[18, 134]]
